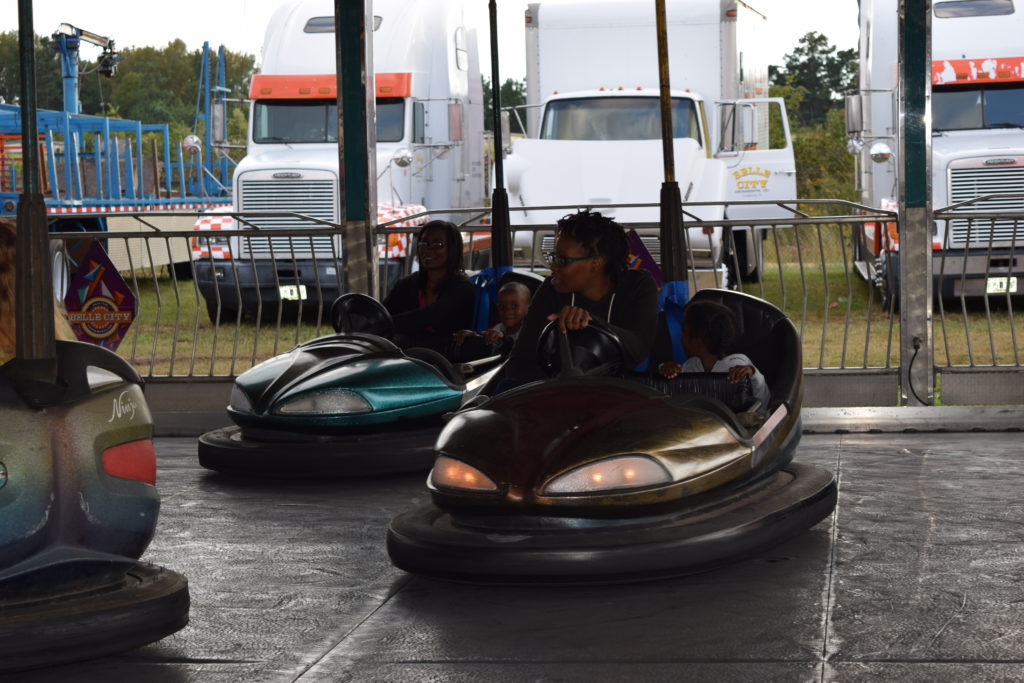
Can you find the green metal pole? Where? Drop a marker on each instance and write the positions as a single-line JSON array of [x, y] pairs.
[[356, 142], [34, 338], [917, 374]]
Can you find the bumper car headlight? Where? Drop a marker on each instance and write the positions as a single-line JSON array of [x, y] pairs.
[[239, 401], [325, 403], [622, 472], [450, 473]]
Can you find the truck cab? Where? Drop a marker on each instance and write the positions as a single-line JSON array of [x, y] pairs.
[[428, 138]]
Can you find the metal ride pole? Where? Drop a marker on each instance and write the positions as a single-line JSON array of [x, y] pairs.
[[357, 186], [34, 337], [501, 231], [917, 372], [673, 236]]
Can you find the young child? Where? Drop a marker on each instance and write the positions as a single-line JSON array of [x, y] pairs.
[[709, 331], [513, 302]]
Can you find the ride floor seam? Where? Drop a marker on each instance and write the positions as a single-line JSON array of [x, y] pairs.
[[831, 573]]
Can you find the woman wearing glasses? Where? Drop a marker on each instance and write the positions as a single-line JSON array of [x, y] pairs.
[[590, 280], [429, 306]]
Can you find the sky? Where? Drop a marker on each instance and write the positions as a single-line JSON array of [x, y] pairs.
[[239, 25]]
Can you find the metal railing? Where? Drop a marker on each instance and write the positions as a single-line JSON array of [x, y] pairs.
[[208, 308]]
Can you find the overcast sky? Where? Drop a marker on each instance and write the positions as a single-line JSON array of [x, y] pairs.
[[239, 25]]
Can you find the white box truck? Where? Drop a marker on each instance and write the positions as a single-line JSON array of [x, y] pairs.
[[429, 145], [977, 144], [594, 131]]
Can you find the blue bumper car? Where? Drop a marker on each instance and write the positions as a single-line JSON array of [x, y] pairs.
[[79, 507]]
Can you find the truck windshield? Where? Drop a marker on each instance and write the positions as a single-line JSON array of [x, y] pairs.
[[973, 107], [307, 121], [617, 118]]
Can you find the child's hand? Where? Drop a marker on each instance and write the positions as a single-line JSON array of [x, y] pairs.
[[738, 372], [669, 369], [461, 335], [491, 336]]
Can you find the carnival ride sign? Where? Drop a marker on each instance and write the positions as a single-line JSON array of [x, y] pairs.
[[100, 305]]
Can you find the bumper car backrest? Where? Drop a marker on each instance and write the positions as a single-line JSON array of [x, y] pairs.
[[526, 277], [766, 336]]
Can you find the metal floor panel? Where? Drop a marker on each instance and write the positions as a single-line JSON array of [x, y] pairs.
[[914, 578]]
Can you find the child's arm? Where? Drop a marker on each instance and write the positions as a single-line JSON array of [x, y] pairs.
[[738, 372]]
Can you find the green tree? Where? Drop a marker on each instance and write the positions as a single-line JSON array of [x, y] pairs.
[[823, 72], [512, 94]]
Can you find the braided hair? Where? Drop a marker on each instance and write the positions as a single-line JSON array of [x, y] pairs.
[[600, 236], [713, 323]]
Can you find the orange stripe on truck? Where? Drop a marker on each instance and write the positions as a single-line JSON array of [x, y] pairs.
[[321, 86], [983, 70]]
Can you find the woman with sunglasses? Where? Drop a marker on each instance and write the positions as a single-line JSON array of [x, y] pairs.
[[429, 306], [590, 280]]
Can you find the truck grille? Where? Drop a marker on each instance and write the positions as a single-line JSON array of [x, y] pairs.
[[314, 198], [968, 183]]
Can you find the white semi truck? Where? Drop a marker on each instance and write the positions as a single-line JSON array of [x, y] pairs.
[[429, 145], [977, 144], [593, 119]]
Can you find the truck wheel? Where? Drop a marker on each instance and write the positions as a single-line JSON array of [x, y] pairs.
[[740, 258], [226, 313], [888, 282]]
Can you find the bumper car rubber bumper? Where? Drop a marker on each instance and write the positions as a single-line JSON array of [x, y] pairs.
[[227, 450], [429, 541], [91, 619]]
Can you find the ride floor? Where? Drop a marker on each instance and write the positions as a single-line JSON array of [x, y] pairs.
[[916, 577]]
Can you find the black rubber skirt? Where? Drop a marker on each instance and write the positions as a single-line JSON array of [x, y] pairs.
[[90, 619], [431, 542], [226, 450]]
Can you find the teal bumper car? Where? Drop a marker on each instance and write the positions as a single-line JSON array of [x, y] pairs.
[[347, 404]]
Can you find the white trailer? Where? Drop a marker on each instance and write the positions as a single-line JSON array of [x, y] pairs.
[[594, 132], [977, 144], [429, 141]]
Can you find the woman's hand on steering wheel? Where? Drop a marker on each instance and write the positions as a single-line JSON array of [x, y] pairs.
[[571, 318]]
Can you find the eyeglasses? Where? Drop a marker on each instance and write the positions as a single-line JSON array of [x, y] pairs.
[[432, 245], [554, 259]]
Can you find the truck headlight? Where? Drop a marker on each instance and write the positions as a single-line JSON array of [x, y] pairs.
[[620, 472]]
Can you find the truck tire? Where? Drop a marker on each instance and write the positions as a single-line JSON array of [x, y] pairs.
[[225, 315]]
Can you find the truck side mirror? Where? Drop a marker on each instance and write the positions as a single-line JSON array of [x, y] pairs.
[[854, 114], [748, 126], [506, 133], [219, 128]]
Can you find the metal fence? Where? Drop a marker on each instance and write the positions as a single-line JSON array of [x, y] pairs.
[[213, 303]]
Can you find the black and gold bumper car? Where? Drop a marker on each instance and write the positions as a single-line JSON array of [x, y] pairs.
[[598, 479], [79, 507]]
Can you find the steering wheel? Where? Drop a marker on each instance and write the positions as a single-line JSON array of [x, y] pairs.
[[361, 313], [593, 350]]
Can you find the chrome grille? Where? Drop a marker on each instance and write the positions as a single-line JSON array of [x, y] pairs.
[[968, 183], [314, 198]]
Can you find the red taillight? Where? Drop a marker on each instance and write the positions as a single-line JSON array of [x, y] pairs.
[[133, 460]]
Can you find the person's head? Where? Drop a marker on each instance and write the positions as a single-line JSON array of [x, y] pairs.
[[513, 300], [708, 327], [588, 247], [439, 248]]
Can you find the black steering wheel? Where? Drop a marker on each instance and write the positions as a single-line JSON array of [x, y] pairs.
[[594, 350], [361, 313]]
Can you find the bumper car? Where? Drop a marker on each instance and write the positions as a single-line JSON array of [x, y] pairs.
[[347, 404], [79, 507], [592, 478]]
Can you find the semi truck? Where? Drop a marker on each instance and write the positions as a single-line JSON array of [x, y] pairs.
[[429, 147], [594, 131], [977, 145]]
